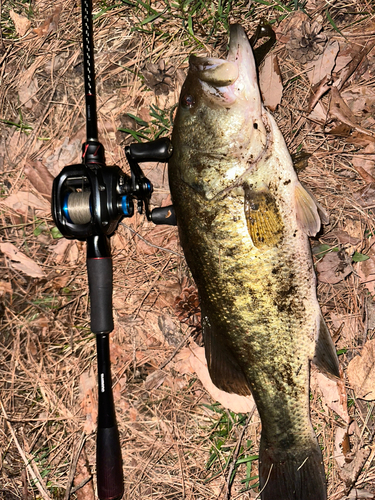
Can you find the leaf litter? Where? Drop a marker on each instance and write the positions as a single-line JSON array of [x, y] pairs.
[[319, 79]]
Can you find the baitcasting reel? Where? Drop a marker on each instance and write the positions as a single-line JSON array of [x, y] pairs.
[[91, 198]]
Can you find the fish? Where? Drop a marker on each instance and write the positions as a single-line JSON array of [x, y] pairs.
[[244, 221]]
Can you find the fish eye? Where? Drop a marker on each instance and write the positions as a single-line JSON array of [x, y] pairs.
[[188, 101]]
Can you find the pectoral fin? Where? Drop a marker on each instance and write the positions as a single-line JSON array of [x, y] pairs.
[[325, 356], [224, 370], [263, 218], [306, 211]]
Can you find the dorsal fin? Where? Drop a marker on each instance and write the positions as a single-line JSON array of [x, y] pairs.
[[325, 356], [306, 211]]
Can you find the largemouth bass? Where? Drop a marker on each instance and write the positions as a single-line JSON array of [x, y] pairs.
[[244, 221]]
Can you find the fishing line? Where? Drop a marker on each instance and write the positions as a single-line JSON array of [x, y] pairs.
[[78, 207]]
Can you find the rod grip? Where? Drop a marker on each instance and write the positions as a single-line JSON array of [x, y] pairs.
[[109, 464], [99, 272]]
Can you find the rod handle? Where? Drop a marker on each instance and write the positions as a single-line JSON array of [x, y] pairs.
[[109, 464], [99, 272]]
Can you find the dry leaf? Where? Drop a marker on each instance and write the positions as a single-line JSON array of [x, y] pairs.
[[318, 114], [133, 414], [361, 372], [155, 380], [345, 55], [270, 82], [365, 197], [89, 404], [5, 287], [23, 200], [118, 394], [366, 273], [41, 322], [285, 27], [157, 174], [82, 473], [360, 100], [366, 159], [21, 23], [171, 332], [364, 174], [39, 177], [369, 313], [168, 291], [60, 248], [144, 114], [356, 494], [347, 324], [349, 472], [193, 359], [317, 91], [27, 93], [26, 76], [358, 54], [345, 238], [65, 250], [323, 66], [50, 24], [56, 62], [341, 436], [340, 110], [334, 267], [334, 395], [20, 261], [67, 154]]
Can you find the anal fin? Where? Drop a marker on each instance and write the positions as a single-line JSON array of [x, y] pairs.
[[224, 370], [325, 356]]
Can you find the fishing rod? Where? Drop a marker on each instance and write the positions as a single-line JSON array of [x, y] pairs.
[[88, 202]]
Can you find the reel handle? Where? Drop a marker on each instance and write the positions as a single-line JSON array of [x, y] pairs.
[[158, 150], [163, 215]]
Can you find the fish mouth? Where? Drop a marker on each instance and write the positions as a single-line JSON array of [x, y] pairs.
[[231, 78]]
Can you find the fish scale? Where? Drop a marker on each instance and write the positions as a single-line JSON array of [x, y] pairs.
[[244, 221]]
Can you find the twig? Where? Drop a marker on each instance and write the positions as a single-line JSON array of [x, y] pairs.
[[151, 287], [149, 242], [1, 31], [81, 485], [73, 466], [265, 484], [182, 471], [235, 455], [34, 473], [183, 341]]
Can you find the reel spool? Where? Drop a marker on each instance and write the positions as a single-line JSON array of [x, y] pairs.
[[77, 207], [91, 201]]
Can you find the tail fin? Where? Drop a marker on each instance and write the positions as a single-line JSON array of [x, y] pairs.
[[296, 474]]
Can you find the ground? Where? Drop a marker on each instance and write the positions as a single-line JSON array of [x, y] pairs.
[[177, 441]]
